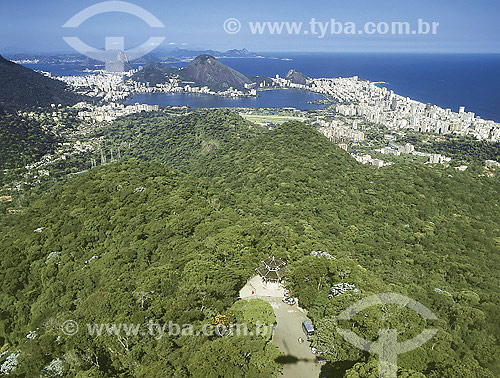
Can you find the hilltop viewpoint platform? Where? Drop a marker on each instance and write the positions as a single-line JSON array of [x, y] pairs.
[[257, 287]]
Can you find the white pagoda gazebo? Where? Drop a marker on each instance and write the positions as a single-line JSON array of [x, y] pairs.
[[273, 270]]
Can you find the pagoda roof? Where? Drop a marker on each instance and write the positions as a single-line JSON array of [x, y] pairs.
[[273, 269]]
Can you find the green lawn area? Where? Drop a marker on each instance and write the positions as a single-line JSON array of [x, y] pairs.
[[271, 118]]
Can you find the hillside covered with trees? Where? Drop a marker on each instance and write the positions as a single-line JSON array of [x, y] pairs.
[[23, 141], [174, 230], [22, 88], [464, 149]]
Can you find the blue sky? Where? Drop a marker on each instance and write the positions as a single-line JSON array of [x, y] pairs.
[[464, 26]]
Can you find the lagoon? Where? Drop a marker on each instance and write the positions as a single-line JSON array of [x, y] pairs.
[[278, 98]]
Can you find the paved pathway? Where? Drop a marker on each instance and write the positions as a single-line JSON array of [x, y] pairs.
[[255, 287], [299, 361]]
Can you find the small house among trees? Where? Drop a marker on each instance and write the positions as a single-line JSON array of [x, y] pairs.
[[272, 270]]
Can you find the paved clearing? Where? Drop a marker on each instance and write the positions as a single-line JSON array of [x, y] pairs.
[[255, 287], [299, 361]]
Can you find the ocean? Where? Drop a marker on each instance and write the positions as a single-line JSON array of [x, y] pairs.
[[446, 80], [59, 69]]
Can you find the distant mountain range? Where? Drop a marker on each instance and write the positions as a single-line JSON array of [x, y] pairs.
[[184, 53], [204, 70], [21, 87], [159, 55]]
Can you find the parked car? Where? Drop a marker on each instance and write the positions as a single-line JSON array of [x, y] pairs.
[[289, 301], [308, 328]]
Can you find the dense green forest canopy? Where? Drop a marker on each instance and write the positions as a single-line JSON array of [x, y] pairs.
[[198, 201], [23, 141], [180, 141], [461, 149]]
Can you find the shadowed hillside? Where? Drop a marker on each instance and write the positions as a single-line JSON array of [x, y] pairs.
[[206, 70], [21, 88]]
